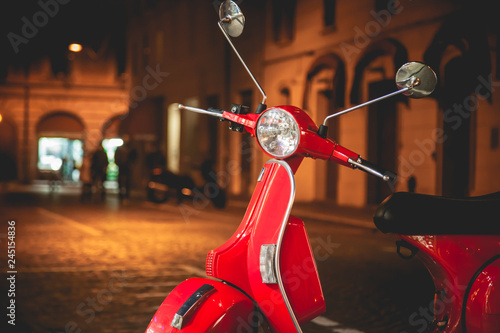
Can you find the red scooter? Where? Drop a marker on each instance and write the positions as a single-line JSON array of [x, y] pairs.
[[264, 278]]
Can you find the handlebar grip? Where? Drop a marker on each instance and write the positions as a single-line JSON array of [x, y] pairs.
[[374, 169]]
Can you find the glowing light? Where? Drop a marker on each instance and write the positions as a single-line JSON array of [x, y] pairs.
[[186, 191], [75, 47], [116, 142], [1, 117]]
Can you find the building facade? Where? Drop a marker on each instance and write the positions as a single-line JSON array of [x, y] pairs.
[[79, 106], [337, 54], [325, 56]]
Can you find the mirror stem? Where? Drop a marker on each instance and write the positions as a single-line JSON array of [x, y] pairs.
[[264, 97], [366, 103]]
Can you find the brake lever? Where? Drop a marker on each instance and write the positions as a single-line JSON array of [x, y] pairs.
[[375, 170]]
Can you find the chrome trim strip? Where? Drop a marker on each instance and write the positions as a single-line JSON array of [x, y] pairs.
[[261, 174], [280, 241], [190, 305]]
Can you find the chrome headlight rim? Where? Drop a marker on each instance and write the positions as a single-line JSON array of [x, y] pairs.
[[290, 124]]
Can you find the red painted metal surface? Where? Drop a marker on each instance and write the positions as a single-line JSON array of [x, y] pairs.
[[225, 310], [310, 145], [453, 262], [237, 261], [300, 274], [483, 301]]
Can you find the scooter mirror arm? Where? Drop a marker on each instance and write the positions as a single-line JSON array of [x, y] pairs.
[[210, 112], [264, 96], [322, 131]]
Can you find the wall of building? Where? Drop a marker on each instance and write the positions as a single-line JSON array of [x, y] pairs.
[[301, 60], [92, 93], [361, 29]]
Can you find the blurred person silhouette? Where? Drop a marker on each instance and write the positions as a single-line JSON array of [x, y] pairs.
[[155, 160], [98, 168], [412, 184], [86, 178], [124, 157]]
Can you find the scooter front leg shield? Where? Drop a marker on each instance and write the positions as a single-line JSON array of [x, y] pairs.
[[202, 305], [286, 286]]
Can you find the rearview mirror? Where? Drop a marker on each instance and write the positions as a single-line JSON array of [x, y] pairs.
[[231, 18], [418, 77]]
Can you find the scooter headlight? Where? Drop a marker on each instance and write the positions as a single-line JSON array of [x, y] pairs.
[[278, 133]]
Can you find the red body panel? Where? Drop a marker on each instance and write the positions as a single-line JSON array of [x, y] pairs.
[[300, 274], [311, 144], [237, 261], [483, 301], [225, 310], [453, 261]]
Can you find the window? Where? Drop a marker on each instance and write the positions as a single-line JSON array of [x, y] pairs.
[[284, 20], [285, 96], [329, 7]]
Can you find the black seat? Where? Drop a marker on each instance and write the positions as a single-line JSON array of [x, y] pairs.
[[418, 214]]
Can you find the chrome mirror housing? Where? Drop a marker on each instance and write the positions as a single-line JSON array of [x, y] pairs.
[[418, 78], [231, 18]]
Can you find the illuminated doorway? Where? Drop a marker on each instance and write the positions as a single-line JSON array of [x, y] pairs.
[[59, 158]]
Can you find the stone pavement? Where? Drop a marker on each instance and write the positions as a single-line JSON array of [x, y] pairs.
[[361, 217]]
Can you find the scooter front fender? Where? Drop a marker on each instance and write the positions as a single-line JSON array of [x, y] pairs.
[[204, 305]]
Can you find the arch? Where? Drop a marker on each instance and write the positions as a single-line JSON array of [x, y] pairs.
[[111, 128], [460, 53], [386, 47], [60, 137], [469, 38], [325, 94], [374, 77], [328, 61], [61, 124]]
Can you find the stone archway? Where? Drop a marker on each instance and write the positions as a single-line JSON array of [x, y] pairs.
[[374, 77], [61, 124], [460, 54], [60, 139], [324, 94]]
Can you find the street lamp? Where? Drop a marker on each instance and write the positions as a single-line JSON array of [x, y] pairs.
[[75, 47]]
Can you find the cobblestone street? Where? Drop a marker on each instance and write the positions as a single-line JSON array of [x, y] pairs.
[[106, 267]]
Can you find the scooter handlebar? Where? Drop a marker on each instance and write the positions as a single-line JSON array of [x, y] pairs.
[[374, 169], [210, 111]]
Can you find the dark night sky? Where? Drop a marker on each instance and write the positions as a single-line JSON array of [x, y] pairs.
[[33, 29]]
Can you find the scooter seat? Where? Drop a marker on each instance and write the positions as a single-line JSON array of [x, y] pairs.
[[418, 214]]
